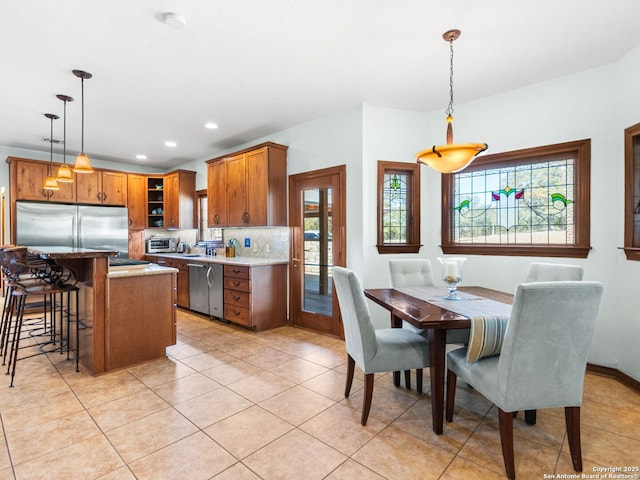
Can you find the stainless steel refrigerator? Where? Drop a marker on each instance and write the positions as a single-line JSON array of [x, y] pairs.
[[77, 226]]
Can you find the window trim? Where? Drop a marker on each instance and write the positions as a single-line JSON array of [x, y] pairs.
[[581, 152], [412, 171]]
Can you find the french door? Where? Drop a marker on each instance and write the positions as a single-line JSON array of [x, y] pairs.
[[317, 219]]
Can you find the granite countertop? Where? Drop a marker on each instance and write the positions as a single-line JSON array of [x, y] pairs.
[[200, 258], [139, 270], [69, 252]]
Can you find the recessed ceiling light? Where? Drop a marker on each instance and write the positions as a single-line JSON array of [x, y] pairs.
[[211, 125], [169, 143], [174, 20], [141, 157]]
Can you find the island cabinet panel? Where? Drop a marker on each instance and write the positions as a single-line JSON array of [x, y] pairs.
[[27, 179], [140, 322], [137, 201], [256, 296], [102, 187], [248, 188], [136, 244]]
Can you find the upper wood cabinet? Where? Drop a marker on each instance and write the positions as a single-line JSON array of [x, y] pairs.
[[179, 199], [102, 187], [248, 188], [137, 201], [27, 178], [632, 192]]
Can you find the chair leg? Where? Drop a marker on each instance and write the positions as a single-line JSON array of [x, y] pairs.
[[351, 365], [572, 420], [396, 379], [407, 379], [451, 395], [368, 395], [419, 380], [530, 416], [506, 439]]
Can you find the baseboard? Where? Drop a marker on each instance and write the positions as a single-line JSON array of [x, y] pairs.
[[623, 378]]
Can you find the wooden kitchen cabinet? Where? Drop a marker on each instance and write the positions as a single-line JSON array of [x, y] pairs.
[[256, 296], [27, 178], [248, 188], [183, 279], [179, 199], [137, 201], [136, 244], [217, 194], [102, 187]]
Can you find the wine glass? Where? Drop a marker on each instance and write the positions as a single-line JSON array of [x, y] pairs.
[[452, 275]]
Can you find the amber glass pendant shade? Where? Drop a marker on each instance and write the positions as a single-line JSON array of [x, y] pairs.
[[452, 157], [64, 174], [83, 164], [50, 183]]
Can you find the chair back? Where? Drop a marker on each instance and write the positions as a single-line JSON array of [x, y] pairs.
[[411, 273], [544, 353], [553, 272], [359, 332]]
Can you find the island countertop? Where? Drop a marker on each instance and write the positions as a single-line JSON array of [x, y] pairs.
[[55, 251], [132, 271]]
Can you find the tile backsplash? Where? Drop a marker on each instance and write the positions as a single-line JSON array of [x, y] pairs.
[[265, 242]]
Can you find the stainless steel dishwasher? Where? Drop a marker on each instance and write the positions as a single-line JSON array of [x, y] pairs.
[[206, 292]]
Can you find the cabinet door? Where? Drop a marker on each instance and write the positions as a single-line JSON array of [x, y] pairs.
[[30, 177], [258, 188], [237, 191], [137, 201], [89, 187], [171, 201], [136, 244], [114, 188], [217, 194]]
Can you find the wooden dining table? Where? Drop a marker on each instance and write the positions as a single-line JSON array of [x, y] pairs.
[[436, 320]]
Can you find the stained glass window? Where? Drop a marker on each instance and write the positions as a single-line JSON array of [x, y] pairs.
[[398, 207], [518, 203]]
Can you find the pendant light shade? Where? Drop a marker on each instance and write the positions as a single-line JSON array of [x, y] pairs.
[[452, 157], [50, 182], [83, 164], [64, 172]]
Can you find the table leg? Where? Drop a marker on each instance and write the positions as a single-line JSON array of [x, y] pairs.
[[437, 344], [396, 323]]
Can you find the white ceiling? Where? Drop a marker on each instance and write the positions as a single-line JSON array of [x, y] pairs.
[[259, 66]]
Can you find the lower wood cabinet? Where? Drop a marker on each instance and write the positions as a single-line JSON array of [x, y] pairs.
[[183, 279], [256, 296]]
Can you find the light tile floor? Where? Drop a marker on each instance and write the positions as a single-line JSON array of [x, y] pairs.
[[231, 404]]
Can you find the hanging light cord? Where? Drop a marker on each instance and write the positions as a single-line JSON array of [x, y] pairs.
[[449, 110], [64, 134], [51, 150]]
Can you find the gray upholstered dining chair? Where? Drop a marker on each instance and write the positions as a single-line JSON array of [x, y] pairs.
[[553, 272], [542, 361], [373, 350]]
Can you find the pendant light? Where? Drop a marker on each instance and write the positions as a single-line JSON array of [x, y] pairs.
[[83, 164], [50, 182], [64, 172], [452, 157]]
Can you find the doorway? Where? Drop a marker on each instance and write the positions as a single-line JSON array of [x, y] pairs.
[[317, 209]]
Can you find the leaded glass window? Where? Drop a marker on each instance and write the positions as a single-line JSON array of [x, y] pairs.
[[398, 207], [528, 202]]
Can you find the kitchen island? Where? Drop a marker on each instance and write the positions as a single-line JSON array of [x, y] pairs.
[[126, 315]]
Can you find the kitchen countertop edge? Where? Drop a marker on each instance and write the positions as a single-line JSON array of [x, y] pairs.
[[140, 272], [243, 261]]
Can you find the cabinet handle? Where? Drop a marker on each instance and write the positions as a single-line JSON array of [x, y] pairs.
[[236, 284], [245, 217], [130, 221], [104, 196], [236, 297], [216, 219]]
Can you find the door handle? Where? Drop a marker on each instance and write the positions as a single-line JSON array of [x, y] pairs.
[[210, 279]]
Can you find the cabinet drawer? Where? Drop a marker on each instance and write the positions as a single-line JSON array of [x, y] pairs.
[[237, 284], [237, 314], [234, 297], [236, 272], [175, 263]]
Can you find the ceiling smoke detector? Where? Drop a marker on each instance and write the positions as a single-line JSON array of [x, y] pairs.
[[174, 20]]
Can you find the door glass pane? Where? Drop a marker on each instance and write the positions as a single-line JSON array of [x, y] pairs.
[[318, 255]]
